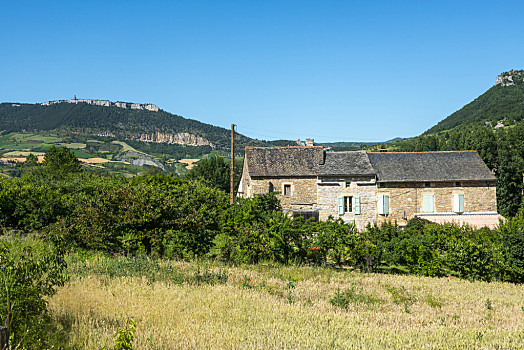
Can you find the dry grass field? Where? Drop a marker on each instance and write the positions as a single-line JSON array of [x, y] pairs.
[[266, 307], [190, 163]]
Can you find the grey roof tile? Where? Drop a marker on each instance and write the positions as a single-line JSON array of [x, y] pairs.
[[284, 161], [429, 166], [346, 163]]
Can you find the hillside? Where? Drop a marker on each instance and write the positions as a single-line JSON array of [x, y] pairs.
[[115, 137], [113, 121], [502, 104]]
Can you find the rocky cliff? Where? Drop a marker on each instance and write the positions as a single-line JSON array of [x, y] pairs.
[[510, 78], [181, 138]]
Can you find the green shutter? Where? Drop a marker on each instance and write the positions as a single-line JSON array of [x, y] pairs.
[[356, 205], [458, 203], [427, 202], [386, 204], [340, 205]]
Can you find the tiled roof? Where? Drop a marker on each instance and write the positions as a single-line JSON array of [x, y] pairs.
[[429, 166], [284, 161], [387, 166], [346, 163], [475, 220]]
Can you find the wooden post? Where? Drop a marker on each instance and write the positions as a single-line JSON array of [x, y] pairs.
[[232, 189], [4, 338]]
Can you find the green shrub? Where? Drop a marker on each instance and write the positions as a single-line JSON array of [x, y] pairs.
[[30, 271], [343, 299], [512, 232]]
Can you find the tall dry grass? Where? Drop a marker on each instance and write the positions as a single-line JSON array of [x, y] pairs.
[[263, 307]]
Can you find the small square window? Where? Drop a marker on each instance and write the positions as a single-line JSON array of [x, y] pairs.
[[348, 184], [457, 184], [287, 190], [427, 184]]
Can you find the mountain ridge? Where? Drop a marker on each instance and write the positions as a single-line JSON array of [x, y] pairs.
[[502, 104]]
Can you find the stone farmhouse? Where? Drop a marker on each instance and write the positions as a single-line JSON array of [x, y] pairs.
[[368, 188]]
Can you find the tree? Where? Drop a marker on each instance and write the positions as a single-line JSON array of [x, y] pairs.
[[60, 161], [213, 171], [31, 161]]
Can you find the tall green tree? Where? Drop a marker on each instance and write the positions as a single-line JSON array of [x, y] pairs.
[[60, 161], [213, 171]]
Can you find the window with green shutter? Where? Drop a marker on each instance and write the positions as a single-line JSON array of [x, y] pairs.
[[356, 205], [427, 203], [458, 203], [346, 204], [383, 204]]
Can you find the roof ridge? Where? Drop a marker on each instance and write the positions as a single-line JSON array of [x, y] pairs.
[[463, 151], [273, 147]]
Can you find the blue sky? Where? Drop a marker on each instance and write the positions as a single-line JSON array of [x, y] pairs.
[[328, 70]]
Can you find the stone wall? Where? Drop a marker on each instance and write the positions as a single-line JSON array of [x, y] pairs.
[[330, 188], [245, 182], [303, 189], [406, 199]]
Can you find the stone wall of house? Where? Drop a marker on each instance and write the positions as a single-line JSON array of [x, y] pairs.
[[303, 190], [330, 188], [245, 181], [406, 199]]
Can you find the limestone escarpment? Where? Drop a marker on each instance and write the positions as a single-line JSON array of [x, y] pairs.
[[181, 138], [510, 78]]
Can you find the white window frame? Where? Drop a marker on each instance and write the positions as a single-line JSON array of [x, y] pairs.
[[346, 202]]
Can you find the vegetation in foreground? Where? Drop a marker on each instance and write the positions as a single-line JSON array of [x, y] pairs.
[[202, 305], [128, 231]]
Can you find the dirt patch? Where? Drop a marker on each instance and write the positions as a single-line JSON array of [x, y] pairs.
[[20, 159], [99, 161], [190, 163], [94, 160]]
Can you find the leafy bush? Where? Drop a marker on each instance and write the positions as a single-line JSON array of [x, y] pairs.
[[512, 232], [30, 271], [343, 299], [159, 214]]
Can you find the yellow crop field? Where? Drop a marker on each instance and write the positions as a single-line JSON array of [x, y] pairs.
[[22, 154], [73, 145], [125, 147], [265, 307], [190, 163]]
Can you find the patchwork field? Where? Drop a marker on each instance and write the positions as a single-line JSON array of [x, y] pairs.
[[98, 155], [181, 305]]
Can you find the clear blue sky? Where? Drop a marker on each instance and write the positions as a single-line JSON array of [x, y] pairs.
[[329, 70]]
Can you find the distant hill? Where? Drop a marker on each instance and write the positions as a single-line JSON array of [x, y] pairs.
[[117, 122], [114, 137], [502, 104]]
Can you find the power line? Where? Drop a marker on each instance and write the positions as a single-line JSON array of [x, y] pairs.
[[294, 133]]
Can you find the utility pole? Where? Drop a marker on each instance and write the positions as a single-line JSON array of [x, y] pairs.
[[232, 191]]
